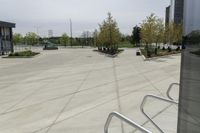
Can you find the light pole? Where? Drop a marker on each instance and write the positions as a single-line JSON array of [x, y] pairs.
[[70, 32], [37, 32]]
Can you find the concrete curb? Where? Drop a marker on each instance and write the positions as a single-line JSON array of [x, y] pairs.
[[143, 57], [109, 55], [158, 57]]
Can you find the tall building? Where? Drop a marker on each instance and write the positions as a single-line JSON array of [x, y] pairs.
[[186, 12], [167, 15], [6, 44], [191, 16], [176, 11], [50, 33]]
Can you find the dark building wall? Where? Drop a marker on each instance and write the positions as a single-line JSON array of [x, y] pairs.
[[6, 33], [178, 11], [167, 14], [6, 44], [1, 46], [189, 99], [7, 24]]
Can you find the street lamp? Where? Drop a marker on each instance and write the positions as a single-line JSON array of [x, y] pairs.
[[70, 32]]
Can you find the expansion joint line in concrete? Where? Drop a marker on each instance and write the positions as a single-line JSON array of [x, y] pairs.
[[21, 100], [117, 93], [149, 82], [69, 101], [153, 117], [101, 104], [65, 95]]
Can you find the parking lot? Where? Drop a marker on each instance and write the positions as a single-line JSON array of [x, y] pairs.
[[74, 90]]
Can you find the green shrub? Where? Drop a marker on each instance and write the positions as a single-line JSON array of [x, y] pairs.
[[194, 37], [27, 53], [159, 52], [178, 48], [169, 49], [163, 48]]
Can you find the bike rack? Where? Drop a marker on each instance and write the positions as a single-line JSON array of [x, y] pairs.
[[154, 97], [170, 88], [135, 125], [125, 119]]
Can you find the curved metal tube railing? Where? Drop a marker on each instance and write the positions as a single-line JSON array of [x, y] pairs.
[[169, 89], [125, 119], [148, 117]]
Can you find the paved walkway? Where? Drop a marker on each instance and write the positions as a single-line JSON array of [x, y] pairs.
[[74, 90]]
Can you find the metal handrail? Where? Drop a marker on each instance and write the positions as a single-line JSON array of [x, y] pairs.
[[125, 119], [148, 117], [169, 89]]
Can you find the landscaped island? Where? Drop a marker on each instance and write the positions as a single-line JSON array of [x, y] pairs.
[[159, 52], [160, 39], [23, 54], [108, 37]]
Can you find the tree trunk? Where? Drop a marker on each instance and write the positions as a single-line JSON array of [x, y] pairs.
[[156, 49]]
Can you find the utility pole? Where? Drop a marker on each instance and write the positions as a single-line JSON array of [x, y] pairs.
[[37, 29], [87, 38], [71, 32], [37, 32]]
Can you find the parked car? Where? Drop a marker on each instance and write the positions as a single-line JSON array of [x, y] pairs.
[[50, 46]]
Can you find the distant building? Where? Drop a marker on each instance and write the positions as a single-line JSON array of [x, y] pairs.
[[50, 33], [167, 14], [178, 11], [175, 11], [191, 21], [185, 12], [6, 44]]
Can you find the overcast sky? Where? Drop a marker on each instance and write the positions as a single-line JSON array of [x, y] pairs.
[[85, 14]]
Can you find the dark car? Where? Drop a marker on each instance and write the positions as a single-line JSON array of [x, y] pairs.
[[50, 46]]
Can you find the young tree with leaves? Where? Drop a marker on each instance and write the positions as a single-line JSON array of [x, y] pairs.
[[109, 35], [148, 29], [17, 38], [159, 33], [64, 39], [178, 30], [170, 33], [31, 38], [173, 33], [135, 37], [148, 32]]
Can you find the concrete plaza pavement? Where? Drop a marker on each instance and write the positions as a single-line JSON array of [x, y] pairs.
[[74, 90]]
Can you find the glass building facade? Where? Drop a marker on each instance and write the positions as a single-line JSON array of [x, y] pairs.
[[189, 98]]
